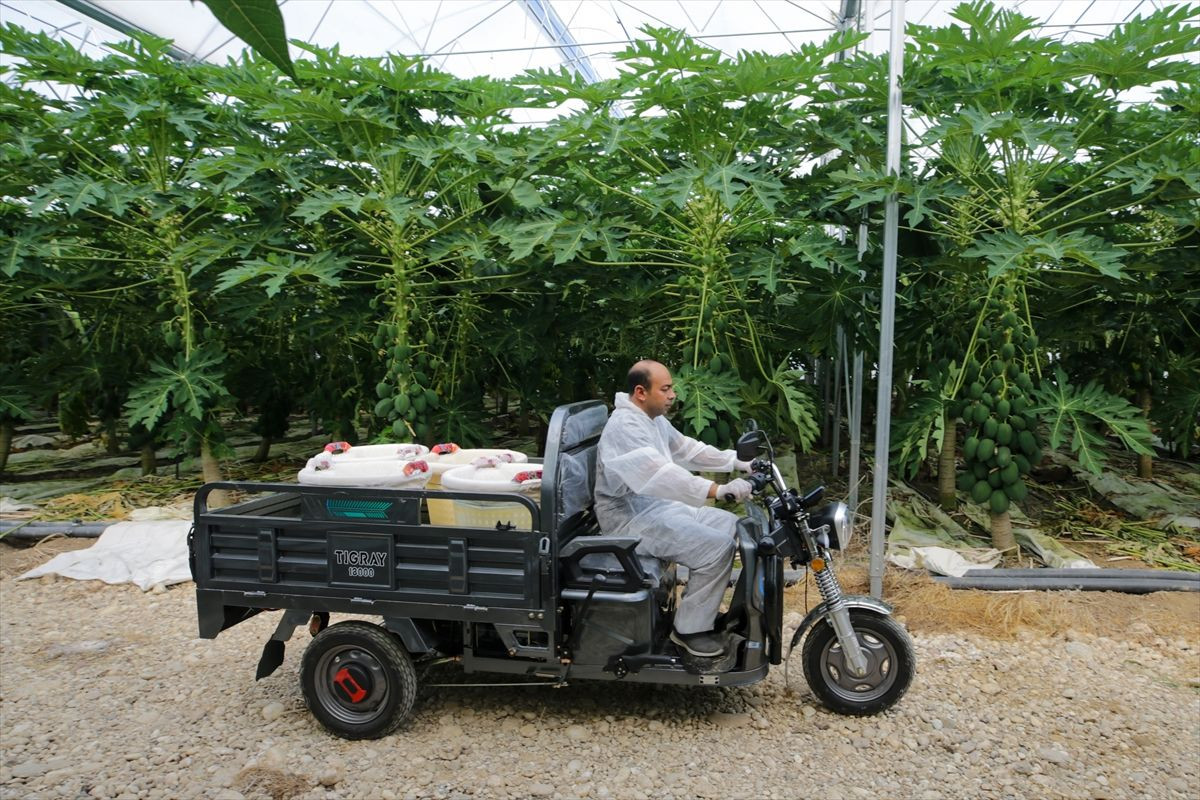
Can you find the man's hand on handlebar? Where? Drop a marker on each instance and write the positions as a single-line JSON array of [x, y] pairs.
[[736, 490]]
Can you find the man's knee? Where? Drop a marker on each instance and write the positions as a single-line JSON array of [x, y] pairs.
[[717, 549]]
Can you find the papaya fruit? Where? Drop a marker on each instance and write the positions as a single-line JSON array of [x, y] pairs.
[[998, 502], [1003, 456], [990, 426], [970, 447], [986, 448], [383, 407], [1023, 465], [994, 480], [383, 389], [1004, 433], [1009, 474], [965, 482], [1016, 491], [1026, 442], [1003, 407], [981, 491], [402, 403], [1007, 351]]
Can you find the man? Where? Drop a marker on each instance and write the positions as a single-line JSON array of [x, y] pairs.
[[645, 488]]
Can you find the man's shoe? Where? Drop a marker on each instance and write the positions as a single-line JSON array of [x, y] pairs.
[[702, 645]]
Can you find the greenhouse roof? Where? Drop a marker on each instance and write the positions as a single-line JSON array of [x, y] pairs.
[[502, 38]]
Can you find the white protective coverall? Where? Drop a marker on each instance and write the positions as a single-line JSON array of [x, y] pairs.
[[645, 488]]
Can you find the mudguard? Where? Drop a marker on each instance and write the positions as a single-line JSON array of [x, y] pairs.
[[852, 601]]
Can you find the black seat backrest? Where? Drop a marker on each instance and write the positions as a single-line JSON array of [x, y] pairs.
[[569, 473]]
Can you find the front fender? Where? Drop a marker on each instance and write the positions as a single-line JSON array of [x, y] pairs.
[[852, 601]]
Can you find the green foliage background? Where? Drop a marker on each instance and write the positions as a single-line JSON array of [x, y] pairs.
[[374, 242]]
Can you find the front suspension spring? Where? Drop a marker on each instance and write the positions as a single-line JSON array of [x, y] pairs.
[[830, 589]]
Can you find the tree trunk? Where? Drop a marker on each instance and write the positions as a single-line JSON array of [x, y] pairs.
[[946, 462], [1002, 535], [264, 450], [1145, 462], [111, 445], [149, 459], [211, 469], [7, 429]]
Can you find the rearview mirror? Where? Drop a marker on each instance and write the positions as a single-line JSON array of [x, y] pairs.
[[749, 445]]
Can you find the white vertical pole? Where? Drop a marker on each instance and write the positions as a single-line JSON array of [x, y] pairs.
[[887, 322]]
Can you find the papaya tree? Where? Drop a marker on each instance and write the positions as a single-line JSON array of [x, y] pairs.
[[1010, 200], [129, 136], [695, 197]]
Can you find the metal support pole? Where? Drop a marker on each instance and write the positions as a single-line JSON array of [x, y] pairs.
[[855, 433], [839, 364], [887, 322]]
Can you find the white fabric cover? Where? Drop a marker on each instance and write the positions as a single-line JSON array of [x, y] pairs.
[[144, 553]]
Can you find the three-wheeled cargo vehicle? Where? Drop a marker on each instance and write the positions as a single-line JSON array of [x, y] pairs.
[[555, 602]]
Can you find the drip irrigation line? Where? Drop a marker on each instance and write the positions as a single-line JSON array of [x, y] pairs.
[[36, 531], [1087, 580]]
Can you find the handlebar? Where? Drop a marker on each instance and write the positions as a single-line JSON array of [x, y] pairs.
[[757, 480]]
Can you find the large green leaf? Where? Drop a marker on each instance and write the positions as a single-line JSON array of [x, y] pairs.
[[259, 24], [704, 395], [189, 386], [797, 404], [1080, 416], [1006, 251], [276, 270]]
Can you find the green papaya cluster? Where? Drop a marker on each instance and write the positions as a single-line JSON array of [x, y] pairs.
[[406, 400], [1001, 445]]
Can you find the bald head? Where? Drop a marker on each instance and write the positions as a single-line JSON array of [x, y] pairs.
[[650, 387]]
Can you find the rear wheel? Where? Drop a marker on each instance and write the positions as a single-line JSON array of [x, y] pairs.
[[890, 665], [357, 680]]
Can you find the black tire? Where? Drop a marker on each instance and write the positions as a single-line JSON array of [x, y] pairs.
[[357, 680], [890, 666]]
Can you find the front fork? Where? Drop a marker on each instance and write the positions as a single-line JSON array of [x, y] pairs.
[[839, 613]]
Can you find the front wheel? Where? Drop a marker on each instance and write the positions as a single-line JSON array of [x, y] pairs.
[[357, 680], [890, 665]]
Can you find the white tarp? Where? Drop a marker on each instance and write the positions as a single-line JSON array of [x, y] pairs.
[[148, 553]]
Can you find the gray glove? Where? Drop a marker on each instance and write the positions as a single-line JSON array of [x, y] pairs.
[[736, 489], [742, 466]]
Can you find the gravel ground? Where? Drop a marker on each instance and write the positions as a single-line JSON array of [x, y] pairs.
[[105, 691]]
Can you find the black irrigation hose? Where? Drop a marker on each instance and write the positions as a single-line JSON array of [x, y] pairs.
[[1131, 581], [31, 531]]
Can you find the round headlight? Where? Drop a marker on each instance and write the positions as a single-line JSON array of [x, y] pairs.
[[842, 526]]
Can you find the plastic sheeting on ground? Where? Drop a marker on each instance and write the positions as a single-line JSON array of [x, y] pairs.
[[1164, 506], [148, 554], [925, 537]]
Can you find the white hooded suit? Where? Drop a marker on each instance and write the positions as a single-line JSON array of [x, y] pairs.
[[645, 488]]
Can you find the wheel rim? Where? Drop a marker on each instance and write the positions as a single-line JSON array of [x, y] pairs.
[[880, 674], [351, 684]]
